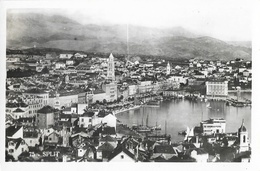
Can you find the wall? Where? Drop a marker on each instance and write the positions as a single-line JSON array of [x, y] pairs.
[[119, 158]]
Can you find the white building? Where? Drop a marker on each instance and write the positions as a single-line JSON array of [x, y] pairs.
[[80, 55], [16, 146], [65, 56], [60, 65], [217, 88], [111, 91], [132, 90], [213, 126]]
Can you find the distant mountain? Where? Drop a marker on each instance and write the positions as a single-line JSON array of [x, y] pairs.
[[247, 44], [30, 29]]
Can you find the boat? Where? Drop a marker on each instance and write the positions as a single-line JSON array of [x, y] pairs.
[[157, 128], [153, 103], [143, 129]]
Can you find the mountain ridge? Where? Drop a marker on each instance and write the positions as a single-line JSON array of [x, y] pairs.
[[29, 30]]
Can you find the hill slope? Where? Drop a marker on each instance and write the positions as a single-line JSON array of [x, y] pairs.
[[27, 30]]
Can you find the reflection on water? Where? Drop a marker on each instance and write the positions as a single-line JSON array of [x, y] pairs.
[[180, 114]]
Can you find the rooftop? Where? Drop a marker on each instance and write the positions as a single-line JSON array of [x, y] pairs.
[[10, 131]]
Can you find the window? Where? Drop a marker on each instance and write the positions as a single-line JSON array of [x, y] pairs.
[[11, 150], [50, 139], [122, 156], [11, 143], [82, 120], [22, 149], [244, 139]]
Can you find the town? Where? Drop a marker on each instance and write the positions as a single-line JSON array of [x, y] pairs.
[[63, 107]]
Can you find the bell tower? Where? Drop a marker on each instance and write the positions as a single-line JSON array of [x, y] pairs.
[[111, 68], [243, 138]]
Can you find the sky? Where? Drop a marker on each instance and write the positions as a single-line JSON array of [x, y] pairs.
[[226, 20]]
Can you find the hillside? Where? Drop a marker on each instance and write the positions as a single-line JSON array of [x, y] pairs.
[[29, 29]]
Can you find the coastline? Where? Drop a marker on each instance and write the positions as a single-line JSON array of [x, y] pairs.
[[245, 91], [124, 110]]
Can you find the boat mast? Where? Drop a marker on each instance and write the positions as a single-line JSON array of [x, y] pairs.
[[165, 127], [147, 120]]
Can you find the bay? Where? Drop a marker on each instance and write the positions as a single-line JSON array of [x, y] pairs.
[[180, 114]]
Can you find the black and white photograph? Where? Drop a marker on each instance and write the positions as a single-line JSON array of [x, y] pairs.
[[122, 81]]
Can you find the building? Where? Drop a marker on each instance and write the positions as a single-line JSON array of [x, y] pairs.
[[217, 88], [243, 138], [39, 94], [65, 56], [45, 117], [34, 102], [14, 132], [16, 146], [213, 126], [80, 55], [168, 69], [111, 91], [60, 65], [111, 68], [85, 120]]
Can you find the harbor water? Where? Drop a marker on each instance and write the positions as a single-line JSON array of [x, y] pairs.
[[176, 115]]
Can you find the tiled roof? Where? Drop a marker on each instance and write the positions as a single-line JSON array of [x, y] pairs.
[[10, 131], [106, 147], [18, 110], [46, 109], [167, 149]]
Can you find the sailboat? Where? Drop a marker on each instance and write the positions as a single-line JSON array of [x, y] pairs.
[[208, 105], [144, 129]]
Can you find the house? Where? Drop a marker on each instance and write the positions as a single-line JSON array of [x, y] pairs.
[[52, 138], [104, 151], [85, 120], [16, 146], [110, 120], [121, 154], [31, 138], [14, 132], [198, 154]]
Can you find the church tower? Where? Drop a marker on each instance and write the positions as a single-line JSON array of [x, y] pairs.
[[67, 79], [168, 69], [111, 68], [243, 138]]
